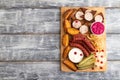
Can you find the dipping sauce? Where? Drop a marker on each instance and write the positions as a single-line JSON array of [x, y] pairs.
[[75, 55]]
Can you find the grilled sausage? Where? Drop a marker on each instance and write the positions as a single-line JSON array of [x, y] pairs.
[[84, 45], [86, 41], [86, 53]]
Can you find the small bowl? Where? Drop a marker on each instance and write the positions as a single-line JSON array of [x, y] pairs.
[[95, 32]]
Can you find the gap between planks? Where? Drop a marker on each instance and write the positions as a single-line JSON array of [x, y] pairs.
[[43, 33], [51, 7], [33, 61], [29, 33]]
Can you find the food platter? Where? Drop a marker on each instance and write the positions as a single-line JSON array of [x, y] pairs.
[[83, 39]]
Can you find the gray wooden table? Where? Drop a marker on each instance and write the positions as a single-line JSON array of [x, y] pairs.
[[30, 36]]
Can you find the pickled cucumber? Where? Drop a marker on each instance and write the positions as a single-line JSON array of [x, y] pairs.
[[91, 61], [86, 59], [86, 67]]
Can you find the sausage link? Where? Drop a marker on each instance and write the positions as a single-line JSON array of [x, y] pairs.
[[84, 45], [86, 41], [80, 47], [92, 48]]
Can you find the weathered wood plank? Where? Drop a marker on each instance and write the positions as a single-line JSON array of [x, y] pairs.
[[45, 20], [44, 47], [29, 47], [54, 3], [107, 3], [51, 71], [113, 47], [28, 20], [112, 20]]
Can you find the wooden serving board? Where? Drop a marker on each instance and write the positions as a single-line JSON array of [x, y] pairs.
[[103, 44]]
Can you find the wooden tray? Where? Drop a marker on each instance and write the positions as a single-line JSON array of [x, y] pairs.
[[103, 36]]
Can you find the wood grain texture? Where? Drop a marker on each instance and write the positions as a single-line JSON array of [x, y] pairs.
[[39, 17], [40, 21], [44, 47], [28, 21], [57, 3], [51, 71], [29, 47]]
